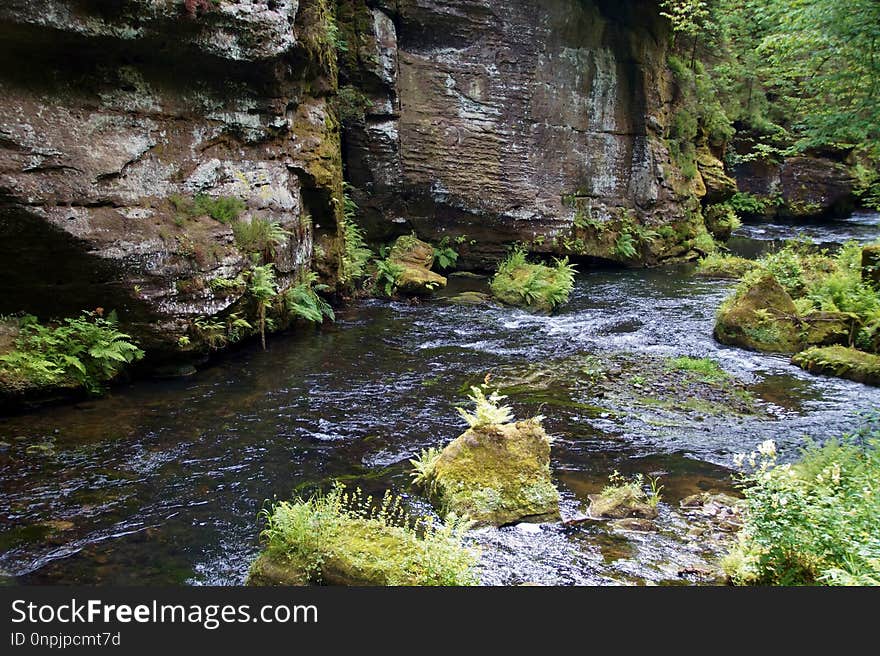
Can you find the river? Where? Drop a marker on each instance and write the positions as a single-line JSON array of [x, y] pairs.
[[161, 482]]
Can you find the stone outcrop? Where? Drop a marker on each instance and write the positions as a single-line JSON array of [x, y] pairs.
[[415, 257], [762, 317], [542, 123], [110, 111], [799, 187], [496, 475]]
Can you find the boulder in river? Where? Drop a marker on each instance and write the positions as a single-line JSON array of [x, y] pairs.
[[761, 316], [346, 539], [416, 258], [842, 362], [622, 501], [496, 474]]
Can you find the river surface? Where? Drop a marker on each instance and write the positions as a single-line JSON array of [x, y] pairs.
[[161, 482]]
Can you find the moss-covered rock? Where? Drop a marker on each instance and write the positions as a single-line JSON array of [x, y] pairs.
[[621, 501], [532, 285], [871, 265], [347, 539], [761, 317], [828, 328], [724, 266], [842, 362], [721, 221], [416, 258], [496, 475], [719, 186]]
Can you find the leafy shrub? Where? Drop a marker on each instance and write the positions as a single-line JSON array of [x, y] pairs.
[[88, 350], [744, 203], [352, 526], [625, 246], [813, 521], [444, 255]]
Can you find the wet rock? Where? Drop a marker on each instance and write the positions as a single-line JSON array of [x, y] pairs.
[[454, 142], [720, 221], [497, 475], [828, 328], [842, 362], [227, 104], [799, 187], [621, 502], [762, 317], [469, 298], [722, 511], [719, 185], [633, 525], [277, 570], [871, 265], [416, 257]]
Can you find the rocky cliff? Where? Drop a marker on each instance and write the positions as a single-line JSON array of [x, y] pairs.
[[122, 121], [516, 121], [116, 114]]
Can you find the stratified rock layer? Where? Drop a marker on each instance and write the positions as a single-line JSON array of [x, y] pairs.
[[108, 110]]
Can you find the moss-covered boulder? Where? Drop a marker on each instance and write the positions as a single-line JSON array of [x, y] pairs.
[[347, 539], [416, 258], [621, 501], [828, 328], [724, 266], [532, 285], [719, 186], [842, 362], [871, 265], [761, 316], [721, 221], [496, 474]]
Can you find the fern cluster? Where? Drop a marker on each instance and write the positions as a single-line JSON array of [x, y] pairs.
[[302, 300], [487, 410], [532, 283], [88, 350]]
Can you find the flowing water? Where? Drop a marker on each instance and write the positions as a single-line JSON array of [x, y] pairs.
[[161, 482]]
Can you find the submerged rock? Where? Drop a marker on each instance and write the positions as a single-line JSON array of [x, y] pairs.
[[469, 298], [416, 257], [842, 362], [762, 317], [497, 474]]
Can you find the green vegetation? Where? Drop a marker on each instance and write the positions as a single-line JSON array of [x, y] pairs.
[[487, 411], [263, 289], [444, 255], [82, 351], [387, 276], [626, 497], [355, 253], [724, 265], [842, 362], [625, 246], [259, 238], [348, 538], [218, 332], [538, 286], [813, 521], [351, 105], [706, 368], [225, 209], [302, 300]]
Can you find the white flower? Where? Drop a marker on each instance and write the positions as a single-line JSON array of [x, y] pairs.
[[835, 473], [739, 459], [767, 448]]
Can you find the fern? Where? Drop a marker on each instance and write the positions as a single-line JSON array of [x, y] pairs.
[[487, 411], [387, 275], [303, 301], [263, 289]]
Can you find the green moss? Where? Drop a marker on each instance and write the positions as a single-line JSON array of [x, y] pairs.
[[760, 316], [496, 474], [624, 497], [347, 539], [724, 265], [414, 259], [534, 286], [842, 362], [705, 368]]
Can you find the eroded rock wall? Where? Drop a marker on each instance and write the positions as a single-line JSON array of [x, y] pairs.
[[516, 121], [110, 109]]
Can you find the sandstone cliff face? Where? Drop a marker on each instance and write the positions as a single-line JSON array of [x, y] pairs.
[[110, 108], [516, 121]]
